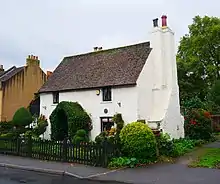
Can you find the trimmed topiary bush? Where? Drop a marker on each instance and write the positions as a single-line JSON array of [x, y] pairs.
[[75, 119], [22, 117], [119, 122], [138, 141], [81, 136]]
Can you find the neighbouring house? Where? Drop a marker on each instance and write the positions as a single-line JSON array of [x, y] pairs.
[[139, 81], [18, 86]]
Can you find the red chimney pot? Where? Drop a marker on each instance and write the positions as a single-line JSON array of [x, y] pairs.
[[164, 21]]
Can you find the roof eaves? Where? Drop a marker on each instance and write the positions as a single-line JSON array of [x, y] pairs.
[[90, 88]]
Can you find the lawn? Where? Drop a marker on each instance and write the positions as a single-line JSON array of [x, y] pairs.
[[208, 157]]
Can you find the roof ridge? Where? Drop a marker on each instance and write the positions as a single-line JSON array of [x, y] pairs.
[[8, 71], [11, 72], [106, 50]]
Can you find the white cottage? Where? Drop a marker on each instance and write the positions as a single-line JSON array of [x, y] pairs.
[[139, 81]]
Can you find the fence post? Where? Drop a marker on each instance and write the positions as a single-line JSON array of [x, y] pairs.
[[64, 156], [29, 146], [18, 145], [105, 153]]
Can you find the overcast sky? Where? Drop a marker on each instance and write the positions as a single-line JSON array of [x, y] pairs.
[[52, 29]]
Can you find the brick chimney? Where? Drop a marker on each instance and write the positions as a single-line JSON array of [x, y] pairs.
[[97, 49], [49, 73], [32, 61], [1, 68]]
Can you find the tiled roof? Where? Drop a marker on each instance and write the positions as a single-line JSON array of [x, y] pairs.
[[10, 73], [112, 67]]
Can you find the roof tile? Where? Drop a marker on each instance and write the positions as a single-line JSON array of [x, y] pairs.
[[112, 67]]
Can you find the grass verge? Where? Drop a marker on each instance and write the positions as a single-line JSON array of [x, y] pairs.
[[208, 157]]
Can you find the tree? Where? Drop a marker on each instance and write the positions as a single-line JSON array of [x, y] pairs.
[[198, 57], [214, 97]]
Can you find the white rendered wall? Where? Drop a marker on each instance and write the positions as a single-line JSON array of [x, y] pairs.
[[158, 91], [94, 106]]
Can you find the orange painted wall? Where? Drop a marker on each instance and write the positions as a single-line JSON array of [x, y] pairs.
[[19, 90]]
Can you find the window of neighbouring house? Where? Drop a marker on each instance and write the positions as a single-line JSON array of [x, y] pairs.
[[56, 97], [107, 94], [106, 124]]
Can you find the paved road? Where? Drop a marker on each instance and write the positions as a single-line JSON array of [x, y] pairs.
[[15, 176]]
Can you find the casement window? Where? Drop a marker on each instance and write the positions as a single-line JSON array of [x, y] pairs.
[[106, 123], [55, 97], [106, 94]]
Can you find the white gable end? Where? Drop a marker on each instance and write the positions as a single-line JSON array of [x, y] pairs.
[[158, 91]]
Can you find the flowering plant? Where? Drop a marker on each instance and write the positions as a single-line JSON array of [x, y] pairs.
[[198, 124]]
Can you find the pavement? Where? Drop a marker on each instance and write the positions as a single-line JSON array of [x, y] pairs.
[[215, 144], [153, 174], [71, 169]]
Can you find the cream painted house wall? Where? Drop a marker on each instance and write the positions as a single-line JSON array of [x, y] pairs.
[[93, 104]]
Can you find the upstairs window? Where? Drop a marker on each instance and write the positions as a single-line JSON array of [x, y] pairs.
[[55, 97], [106, 94]]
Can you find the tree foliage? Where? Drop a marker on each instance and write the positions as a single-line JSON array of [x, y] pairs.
[[198, 57], [214, 94]]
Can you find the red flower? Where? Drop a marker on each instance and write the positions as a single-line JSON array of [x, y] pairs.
[[192, 122], [207, 114]]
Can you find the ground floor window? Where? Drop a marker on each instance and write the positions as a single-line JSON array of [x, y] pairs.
[[106, 123]]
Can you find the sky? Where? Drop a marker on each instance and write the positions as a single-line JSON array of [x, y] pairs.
[[53, 29]]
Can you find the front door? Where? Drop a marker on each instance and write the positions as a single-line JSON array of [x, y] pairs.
[[106, 123]]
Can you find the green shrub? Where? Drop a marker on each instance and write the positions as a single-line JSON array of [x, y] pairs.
[[81, 133], [182, 146], [200, 142], [198, 124], [28, 133], [6, 127], [164, 145], [22, 117], [119, 122], [77, 119], [123, 162], [41, 126], [103, 138], [192, 103], [8, 135], [99, 139], [81, 136], [138, 141]]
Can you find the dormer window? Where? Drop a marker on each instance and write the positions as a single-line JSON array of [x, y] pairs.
[[106, 94], [55, 97]]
